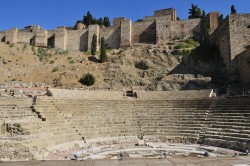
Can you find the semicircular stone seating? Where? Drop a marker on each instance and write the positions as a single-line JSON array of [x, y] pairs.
[[28, 127]]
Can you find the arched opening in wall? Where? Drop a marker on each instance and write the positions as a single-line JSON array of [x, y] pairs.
[[3, 39], [51, 42], [33, 41], [248, 26]]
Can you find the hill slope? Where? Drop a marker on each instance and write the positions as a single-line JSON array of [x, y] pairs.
[[165, 67]]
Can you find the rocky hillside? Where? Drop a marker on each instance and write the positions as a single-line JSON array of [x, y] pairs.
[[166, 67]]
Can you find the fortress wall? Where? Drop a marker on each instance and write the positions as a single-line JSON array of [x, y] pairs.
[[144, 32], [73, 41], [185, 28], [112, 36], [239, 25], [163, 29], [243, 60], [221, 37], [41, 38], [61, 38], [126, 33], [24, 37], [84, 40]]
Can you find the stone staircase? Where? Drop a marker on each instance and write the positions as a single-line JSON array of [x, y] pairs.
[[229, 124]]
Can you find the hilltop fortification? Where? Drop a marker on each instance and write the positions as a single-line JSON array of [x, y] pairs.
[[231, 36]]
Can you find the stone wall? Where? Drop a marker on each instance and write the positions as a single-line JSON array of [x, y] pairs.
[[61, 38], [112, 36], [144, 32], [41, 38], [84, 40], [88, 95], [73, 42], [185, 28], [126, 33], [163, 30], [11, 35], [243, 60], [221, 37], [25, 37], [239, 25]]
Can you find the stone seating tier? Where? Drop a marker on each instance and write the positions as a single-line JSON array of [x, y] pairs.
[[58, 120]]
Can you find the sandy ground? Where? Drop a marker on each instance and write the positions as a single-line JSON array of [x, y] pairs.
[[179, 161]]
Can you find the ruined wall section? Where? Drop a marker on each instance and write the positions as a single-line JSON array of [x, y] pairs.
[[144, 32], [185, 28], [126, 33], [243, 60], [61, 38], [112, 36]]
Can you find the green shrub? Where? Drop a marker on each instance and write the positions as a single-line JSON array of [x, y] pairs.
[[71, 61], [52, 62], [87, 79], [103, 54], [55, 69], [34, 50], [177, 38], [94, 44], [191, 42], [11, 45], [186, 51], [181, 46], [24, 47]]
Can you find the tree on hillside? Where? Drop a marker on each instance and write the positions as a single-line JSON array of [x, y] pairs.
[[106, 22], [233, 10], [103, 55], [94, 44], [100, 22], [194, 12], [88, 19]]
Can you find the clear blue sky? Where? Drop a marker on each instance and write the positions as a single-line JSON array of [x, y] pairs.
[[50, 14]]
